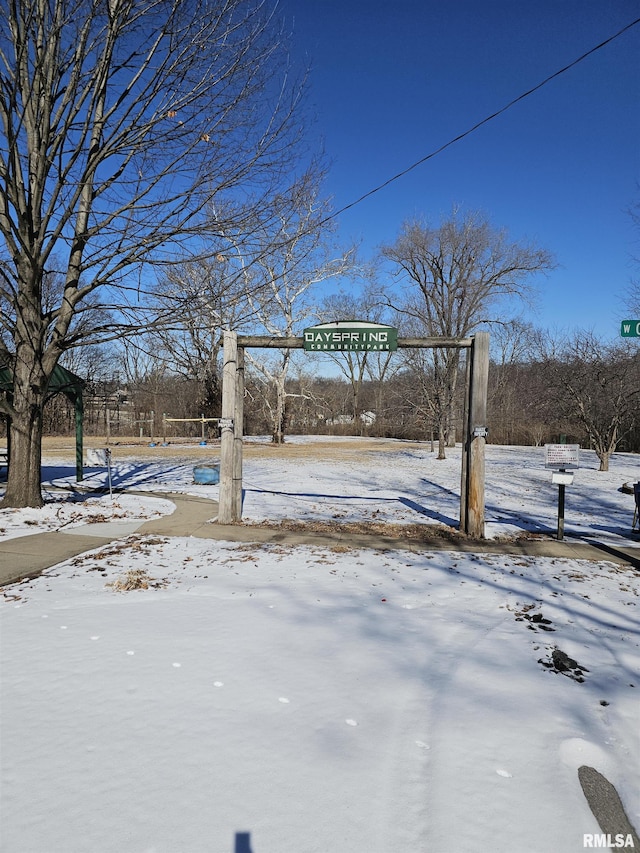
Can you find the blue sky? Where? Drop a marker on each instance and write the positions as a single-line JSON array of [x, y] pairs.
[[393, 81]]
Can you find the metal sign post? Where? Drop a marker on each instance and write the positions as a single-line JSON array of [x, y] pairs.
[[107, 453], [562, 457], [562, 478], [560, 532]]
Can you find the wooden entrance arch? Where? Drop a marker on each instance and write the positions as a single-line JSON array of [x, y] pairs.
[[474, 421]]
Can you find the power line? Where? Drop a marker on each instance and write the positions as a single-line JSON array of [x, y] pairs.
[[335, 214], [480, 123]]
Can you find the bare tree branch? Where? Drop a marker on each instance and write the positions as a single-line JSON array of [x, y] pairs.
[[121, 122], [459, 274]]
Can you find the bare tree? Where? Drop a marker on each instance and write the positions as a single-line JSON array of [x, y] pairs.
[[509, 398], [200, 298], [297, 256], [459, 274], [596, 384], [631, 294], [120, 121], [632, 300]]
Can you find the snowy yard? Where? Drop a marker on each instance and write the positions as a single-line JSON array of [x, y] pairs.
[[286, 699]]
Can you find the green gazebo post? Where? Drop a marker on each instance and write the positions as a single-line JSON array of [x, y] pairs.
[[62, 381], [79, 409]]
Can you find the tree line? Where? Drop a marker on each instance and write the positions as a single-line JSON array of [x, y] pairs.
[[578, 389]]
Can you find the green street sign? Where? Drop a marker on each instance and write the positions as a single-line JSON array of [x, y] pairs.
[[350, 336], [630, 328]]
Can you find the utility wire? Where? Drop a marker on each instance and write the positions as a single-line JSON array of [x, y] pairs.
[[334, 215], [479, 124]]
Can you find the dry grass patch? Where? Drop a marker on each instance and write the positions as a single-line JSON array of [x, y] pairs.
[[388, 530], [125, 447], [136, 579]]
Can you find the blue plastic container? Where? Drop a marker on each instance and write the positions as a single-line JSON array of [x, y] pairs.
[[206, 475]]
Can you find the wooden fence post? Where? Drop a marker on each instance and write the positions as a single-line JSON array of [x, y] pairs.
[[476, 435], [464, 468], [227, 427], [238, 421]]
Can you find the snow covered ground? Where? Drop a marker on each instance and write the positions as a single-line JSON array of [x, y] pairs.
[[287, 699]]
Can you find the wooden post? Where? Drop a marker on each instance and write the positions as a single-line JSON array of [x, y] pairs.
[[227, 430], [464, 469], [476, 435], [238, 423]]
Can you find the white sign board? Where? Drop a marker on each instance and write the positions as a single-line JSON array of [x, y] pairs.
[[97, 457], [562, 478], [562, 455]]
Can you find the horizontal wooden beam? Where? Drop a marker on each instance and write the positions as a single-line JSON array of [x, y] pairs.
[[434, 343], [268, 342]]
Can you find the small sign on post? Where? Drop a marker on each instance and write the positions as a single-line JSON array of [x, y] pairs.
[[99, 457], [562, 478], [562, 457]]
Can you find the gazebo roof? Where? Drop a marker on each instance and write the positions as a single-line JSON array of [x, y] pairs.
[[62, 381]]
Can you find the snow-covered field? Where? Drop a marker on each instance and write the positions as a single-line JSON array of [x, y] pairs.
[[285, 699]]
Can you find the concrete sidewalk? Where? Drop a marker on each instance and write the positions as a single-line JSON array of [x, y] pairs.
[[27, 556]]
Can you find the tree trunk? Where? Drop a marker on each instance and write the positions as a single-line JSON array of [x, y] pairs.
[[441, 441], [280, 411], [23, 483], [212, 391], [603, 456], [358, 423], [277, 436]]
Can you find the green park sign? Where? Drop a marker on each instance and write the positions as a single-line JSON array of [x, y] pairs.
[[350, 336], [630, 328]]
